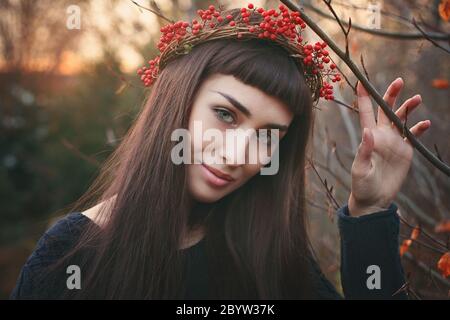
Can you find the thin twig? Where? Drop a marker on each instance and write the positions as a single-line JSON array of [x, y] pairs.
[[346, 105], [159, 14], [324, 183], [395, 17], [80, 154], [387, 34], [424, 233], [343, 74], [440, 251], [427, 37], [346, 32], [427, 269], [364, 67]]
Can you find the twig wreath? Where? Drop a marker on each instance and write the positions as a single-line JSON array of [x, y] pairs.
[[281, 26]]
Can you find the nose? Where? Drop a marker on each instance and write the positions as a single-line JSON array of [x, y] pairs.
[[234, 151]]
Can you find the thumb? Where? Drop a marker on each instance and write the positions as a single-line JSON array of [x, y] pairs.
[[365, 149]]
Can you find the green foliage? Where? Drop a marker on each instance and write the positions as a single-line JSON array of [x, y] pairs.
[[54, 137]]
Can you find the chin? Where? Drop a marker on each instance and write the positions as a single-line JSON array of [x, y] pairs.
[[205, 195]]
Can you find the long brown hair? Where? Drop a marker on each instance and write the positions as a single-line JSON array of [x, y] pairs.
[[256, 241]]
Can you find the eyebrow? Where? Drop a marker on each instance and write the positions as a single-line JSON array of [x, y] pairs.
[[245, 111]]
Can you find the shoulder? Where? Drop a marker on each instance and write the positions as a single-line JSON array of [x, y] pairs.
[[61, 234], [53, 244], [98, 213]]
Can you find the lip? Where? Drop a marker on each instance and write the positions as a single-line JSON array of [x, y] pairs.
[[216, 177]]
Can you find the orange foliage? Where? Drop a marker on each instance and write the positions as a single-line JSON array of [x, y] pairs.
[[415, 233], [444, 9], [440, 83], [444, 264], [405, 246], [407, 243], [444, 226]]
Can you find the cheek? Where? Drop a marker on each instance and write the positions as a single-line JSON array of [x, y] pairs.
[[198, 124]]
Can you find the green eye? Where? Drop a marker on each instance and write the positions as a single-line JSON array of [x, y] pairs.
[[224, 115]]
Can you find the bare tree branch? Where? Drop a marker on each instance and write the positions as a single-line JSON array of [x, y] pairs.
[[387, 34], [414, 22]]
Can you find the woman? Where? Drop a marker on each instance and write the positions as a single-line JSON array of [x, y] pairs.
[[157, 229]]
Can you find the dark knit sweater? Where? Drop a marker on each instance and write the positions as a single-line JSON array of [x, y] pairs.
[[370, 240]]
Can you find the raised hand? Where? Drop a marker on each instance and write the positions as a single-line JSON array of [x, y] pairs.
[[384, 157]]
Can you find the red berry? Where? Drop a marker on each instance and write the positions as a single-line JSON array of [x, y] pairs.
[[250, 6]]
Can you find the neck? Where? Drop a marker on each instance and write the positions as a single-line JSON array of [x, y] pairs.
[[195, 230]]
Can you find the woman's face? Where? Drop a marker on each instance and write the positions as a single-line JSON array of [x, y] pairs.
[[223, 102]]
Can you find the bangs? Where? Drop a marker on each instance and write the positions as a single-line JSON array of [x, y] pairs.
[[264, 65]]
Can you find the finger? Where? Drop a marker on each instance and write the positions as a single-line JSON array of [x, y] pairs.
[[419, 128], [390, 97], [366, 116], [408, 106], [363, 157]]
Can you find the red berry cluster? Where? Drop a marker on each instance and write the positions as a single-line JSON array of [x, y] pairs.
[[316, 56], [275, 26]]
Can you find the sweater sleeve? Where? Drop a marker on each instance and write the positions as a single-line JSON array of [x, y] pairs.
[[370, 260], [53, 244]]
